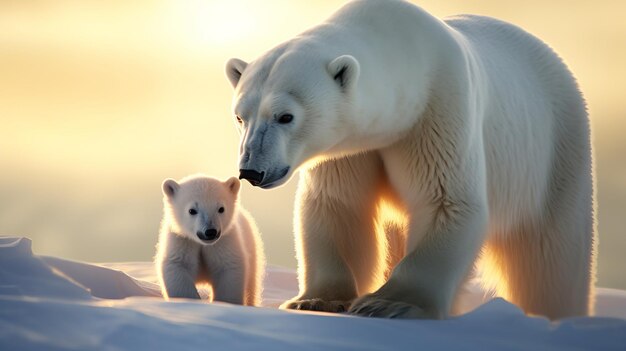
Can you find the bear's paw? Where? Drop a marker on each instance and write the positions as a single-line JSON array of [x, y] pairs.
[[334, 306], [374, 306]]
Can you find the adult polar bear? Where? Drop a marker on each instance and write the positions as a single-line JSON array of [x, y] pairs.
[[472, 128]]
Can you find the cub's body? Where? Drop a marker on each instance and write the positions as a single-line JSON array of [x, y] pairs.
[[207, 237]]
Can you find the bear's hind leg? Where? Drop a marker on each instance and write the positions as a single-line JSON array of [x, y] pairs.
[[546, 270], [256, 271]]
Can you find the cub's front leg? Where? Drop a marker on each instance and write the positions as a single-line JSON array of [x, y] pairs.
[[229, 285], [338, 253], [177, 280]]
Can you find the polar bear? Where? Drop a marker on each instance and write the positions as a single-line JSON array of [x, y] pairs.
[[472, 131], [207, 237]]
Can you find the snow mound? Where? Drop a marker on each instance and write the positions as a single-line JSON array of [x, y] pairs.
[[48, 303]]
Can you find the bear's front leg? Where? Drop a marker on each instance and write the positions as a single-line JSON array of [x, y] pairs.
[[443, 243], [338, 252]]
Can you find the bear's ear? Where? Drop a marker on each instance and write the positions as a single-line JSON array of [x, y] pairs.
[[234, 69], [345, 71], [233, 184], [170, 187]]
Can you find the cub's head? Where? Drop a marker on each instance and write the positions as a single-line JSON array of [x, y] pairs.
[[291, 106], [199, 207]]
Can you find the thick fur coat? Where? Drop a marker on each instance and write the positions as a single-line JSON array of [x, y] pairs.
[[469, 131]]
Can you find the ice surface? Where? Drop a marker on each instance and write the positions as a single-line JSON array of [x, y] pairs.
[[48, 303]]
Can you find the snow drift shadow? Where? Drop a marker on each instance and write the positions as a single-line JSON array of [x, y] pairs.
[[55, 304]]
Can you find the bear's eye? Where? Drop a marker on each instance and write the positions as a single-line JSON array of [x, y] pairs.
[[286, 118], [239, 120], [193, 212], [221, 210]]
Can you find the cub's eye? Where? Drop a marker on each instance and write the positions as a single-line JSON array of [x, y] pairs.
[[193, 212], [286, 118], [239, 120], [221, 210]]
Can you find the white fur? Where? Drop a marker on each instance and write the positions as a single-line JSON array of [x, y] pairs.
[[233, 265], [471, 129]]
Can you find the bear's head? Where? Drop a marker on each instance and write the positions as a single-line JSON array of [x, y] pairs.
[[200, 208], [291, 107]]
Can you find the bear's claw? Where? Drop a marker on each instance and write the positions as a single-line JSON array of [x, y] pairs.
[[372, 306], [320, 305]]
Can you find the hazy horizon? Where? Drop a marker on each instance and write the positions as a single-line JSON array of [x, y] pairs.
[[101, 101]]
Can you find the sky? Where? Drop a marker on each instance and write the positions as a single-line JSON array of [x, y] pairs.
[[102, 100]]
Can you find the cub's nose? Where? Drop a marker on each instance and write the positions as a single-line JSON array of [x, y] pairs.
[[255, 178], [209, 235]]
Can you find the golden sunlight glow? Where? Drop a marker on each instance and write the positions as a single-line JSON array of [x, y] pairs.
[[219, 21], [102, 100]]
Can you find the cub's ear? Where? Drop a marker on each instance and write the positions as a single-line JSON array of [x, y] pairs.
[[233, 184], [170, 187], [234, 69], [345, 71]]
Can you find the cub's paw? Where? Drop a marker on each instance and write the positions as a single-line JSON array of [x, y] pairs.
[[334, 306], [373, 306]]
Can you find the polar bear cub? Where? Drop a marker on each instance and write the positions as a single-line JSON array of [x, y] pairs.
[[207, 237]]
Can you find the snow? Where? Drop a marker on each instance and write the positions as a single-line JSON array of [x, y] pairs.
[[48, 303]]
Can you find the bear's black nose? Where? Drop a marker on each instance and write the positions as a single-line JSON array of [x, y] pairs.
[[255, 178], [211, 234], [208, 235]]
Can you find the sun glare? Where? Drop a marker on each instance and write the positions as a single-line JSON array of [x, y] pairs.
[[107, 98], [219, 22]]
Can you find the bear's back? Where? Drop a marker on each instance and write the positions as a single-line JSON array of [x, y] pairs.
[[533, 104]]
